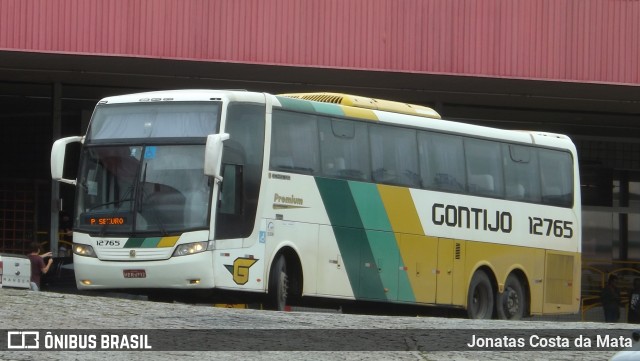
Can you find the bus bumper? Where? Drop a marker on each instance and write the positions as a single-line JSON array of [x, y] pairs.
[[185, 272]]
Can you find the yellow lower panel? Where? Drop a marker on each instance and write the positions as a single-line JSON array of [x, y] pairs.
[[440, 270], [563, 275], [420, 257], [503, 259]]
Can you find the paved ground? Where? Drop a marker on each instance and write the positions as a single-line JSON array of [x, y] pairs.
[[26, 310]]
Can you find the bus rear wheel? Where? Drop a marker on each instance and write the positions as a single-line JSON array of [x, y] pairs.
[[480, 297], [511, 303], [278, 285]]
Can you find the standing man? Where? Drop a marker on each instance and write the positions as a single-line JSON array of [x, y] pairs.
[[610, 297], [38, 268], [633, 316]]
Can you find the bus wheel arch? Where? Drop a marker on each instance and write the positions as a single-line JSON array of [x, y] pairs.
[[513, 303], [481, 294], [285, 280]]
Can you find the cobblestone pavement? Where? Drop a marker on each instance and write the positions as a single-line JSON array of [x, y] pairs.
[[23, 310]]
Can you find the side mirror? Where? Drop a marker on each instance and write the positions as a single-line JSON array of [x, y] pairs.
[[213, 154], [57, 158]]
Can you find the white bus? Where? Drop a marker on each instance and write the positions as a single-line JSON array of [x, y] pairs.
[[324, 196]]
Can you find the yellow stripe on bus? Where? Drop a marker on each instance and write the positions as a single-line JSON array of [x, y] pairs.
[[168, 241], [401, 210], [359, 113]]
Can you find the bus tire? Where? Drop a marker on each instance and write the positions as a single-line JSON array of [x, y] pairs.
[[278, 285], [511, 304], [480, 297]]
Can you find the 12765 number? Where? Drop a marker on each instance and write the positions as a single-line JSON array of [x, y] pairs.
[[548, 227], [107, 243]]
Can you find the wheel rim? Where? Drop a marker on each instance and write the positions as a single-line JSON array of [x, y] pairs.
[[480, 301], [511, 302]]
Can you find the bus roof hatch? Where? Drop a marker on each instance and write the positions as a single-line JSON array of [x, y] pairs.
[[368, 103]]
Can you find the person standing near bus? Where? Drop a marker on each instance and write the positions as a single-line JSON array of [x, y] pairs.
[[38, 268], [633, 316], [610, 298], [65, 234]]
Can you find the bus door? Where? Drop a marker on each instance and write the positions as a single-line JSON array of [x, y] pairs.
[[420, 259], [450, 285]]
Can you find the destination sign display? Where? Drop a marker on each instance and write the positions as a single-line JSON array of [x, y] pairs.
[[101, 221]]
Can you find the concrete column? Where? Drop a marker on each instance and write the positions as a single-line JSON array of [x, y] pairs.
[[56, 100], [623, 217]]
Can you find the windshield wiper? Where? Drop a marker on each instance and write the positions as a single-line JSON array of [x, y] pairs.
[[142, 193]]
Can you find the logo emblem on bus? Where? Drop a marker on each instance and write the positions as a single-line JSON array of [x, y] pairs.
[[132, 253], [240, 269]]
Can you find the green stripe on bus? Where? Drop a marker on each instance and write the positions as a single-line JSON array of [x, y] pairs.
[[296, 104], [354, 246], [134, 242], [384, 245], [339, 203], [150, 242], [370, 206], [328, 108], [386, 255]]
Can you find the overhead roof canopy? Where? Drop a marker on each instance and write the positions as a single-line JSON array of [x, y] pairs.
[[563, 66], [565, 107]]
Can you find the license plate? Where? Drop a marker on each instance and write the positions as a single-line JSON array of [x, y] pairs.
[[134, 273]]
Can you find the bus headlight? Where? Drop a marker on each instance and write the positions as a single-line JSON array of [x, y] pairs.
[[83, 250], [190, 248]]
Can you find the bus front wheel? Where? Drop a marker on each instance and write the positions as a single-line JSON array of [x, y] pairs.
[[480, 297], [278, 285], [511, 303]]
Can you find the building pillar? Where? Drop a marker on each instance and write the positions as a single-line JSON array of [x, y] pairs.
[[623, 217], [56, 100]]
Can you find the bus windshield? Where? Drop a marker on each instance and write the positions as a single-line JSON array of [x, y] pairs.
[[154, 120], [152, 188], [153, 184]]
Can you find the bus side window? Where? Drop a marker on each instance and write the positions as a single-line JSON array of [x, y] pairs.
[[294, 142], [556, 170], [230, 218], [231, 194], [515, 192], [394, 157], [521, 173], [344, 149], [481, 183], [441, 162], [282, 162], [484, 167]]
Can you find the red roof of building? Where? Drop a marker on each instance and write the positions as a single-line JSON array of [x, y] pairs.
[[568, 40]]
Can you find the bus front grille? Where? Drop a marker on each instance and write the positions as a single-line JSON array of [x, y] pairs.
[[135, 254]]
